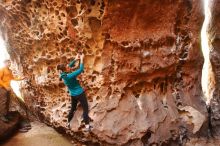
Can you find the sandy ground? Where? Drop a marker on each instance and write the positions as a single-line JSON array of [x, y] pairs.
[[39, 135]]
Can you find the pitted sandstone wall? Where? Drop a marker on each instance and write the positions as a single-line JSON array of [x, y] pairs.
[[142, 65], [214, 42]]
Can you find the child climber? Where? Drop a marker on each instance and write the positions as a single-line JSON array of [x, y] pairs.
[[75, 90]]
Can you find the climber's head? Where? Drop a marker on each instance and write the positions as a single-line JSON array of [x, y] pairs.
[[62, 68], [7, 63], [67, 68]]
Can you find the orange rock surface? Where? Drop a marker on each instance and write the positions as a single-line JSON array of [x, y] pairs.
[[143, 66]]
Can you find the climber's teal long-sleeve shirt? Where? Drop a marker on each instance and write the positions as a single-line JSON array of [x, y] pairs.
[[71, 82]]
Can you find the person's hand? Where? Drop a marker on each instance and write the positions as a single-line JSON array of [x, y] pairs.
[[81, 56], [7, 88], [77, 57], [23, 78]]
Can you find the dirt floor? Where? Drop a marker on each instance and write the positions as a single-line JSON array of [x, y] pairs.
[[39, 135]]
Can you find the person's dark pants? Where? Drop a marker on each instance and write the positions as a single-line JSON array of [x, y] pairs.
[[83, 101], [5, 100], [8, 101]]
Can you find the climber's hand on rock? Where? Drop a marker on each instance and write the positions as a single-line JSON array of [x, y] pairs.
[[7, 88], [82, 56], [77, 57], [23, 78]]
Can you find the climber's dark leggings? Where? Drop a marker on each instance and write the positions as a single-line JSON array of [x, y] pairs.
[[83, 101]]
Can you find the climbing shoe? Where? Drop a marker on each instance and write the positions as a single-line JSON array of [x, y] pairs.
[[4, 119], [28, 127], [87, 128], [83, 122], [68, 125], [24, 125], [22, 130]]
